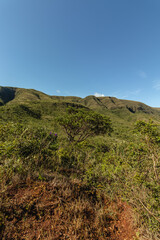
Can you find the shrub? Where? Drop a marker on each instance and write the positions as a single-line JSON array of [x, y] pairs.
[[79, 124]]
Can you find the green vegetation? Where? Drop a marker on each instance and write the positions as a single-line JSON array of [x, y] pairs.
[[79, 124], [92, 163]]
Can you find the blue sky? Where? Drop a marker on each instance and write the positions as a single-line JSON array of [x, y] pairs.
[[82, 47]]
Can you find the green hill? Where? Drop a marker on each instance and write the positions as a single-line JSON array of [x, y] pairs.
[[20, 95], [104, 187], [28, 104]]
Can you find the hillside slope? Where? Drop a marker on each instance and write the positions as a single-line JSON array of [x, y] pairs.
[[106, 187], [21, 95], [112, 103]]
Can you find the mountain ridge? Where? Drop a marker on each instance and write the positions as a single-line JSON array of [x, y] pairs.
[[10, 95]]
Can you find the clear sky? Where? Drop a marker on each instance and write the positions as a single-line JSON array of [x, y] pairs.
[[82, 47]]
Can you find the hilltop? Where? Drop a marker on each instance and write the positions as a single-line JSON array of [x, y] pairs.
[[20, 95], [20, 103]]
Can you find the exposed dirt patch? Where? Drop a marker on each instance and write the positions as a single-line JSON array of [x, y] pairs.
[[124, 228], [63, 210]]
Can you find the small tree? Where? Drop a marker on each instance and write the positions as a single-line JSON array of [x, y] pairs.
[[149, 131], [151, 137], [79, 124]]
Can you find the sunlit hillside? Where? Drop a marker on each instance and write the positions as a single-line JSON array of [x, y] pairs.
[[78, 168]]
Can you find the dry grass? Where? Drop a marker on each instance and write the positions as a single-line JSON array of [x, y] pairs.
[[61, 209]]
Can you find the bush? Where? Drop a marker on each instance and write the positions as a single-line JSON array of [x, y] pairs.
[[79, 124]]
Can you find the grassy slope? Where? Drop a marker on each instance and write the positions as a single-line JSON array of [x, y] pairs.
[[36, 109], [123, 113]]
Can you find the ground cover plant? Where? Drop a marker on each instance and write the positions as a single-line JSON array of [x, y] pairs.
[[67, 179]]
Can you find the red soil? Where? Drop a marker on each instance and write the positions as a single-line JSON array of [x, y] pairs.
[[60, 210]]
